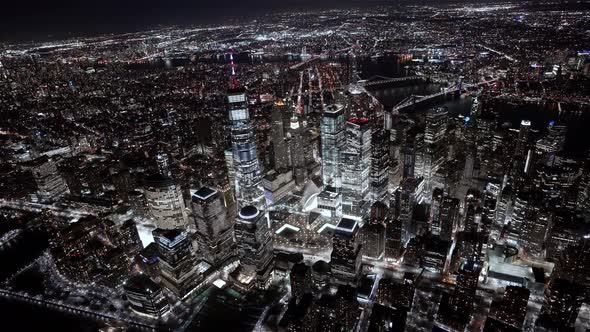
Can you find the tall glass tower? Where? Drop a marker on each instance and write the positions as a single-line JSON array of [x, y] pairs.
[[355, 162], [255, 247], [280, 151], [297, 151], [245, 159], [333, 140]]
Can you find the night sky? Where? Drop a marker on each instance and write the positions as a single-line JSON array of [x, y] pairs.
[[40, 20], [23, 19]]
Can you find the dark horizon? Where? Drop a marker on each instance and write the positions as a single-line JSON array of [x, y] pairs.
[[68, 19], [22, 22]]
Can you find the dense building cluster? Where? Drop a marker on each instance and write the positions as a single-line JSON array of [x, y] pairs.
[[257, 177]]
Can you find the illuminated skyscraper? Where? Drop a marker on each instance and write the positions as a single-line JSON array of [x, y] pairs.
[[409, 156], [245, 158], [529, 225], [523, 137], [522, 157], [297, 153], [145, 296], [346, 255], [229, 163], [277, 185], [512, 308], [449, 215], [405, 200], [380, 160], [563, 300], [436, 125], [50, 184], [467, 285], [503, 205], [280, 152], [215, 233], [355, 165], [435, 209], [547, 147], [178, 271], [372, 235], [333, 141], [434, 151], [254, 245], [455, 308], [165, 202], [163, 164], [393, 239]]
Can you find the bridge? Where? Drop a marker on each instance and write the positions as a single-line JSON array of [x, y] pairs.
[[506, 56], [413, 100], [314, 57], [303, 63], [378, 80], [10, 237]]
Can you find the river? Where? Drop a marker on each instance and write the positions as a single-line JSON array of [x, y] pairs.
[[576, 118]]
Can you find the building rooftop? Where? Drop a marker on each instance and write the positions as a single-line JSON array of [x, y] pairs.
[[249, 212], [158, 181], [203, 194], [346, 227], [141, 283], [150, 253], [169, 234]]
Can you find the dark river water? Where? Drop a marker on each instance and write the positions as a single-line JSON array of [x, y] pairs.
[[576, 118], [389, 96]]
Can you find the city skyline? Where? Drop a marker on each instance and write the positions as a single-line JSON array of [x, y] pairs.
[[307, 168]]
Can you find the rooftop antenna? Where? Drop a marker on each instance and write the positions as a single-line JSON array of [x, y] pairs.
[[233, 70]]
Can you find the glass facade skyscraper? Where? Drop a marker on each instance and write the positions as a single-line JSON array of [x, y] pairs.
[[215, 233], [178, 271], [254, 244], [333, 140], [297, 150], [280, 151], [245, 159], [355, 162]]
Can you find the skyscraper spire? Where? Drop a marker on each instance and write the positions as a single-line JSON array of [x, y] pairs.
[[233, 70]]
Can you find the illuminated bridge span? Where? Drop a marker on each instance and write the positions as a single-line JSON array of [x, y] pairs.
[[10, 237], [378, 80], [413, 100], [303, 63], [315, 57]]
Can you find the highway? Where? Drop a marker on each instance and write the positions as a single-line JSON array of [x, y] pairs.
[[23, 297], [39, 207]]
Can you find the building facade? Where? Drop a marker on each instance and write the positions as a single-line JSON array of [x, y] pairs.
[[247, 170], [215, 233], [165, 202], [178, 270]]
